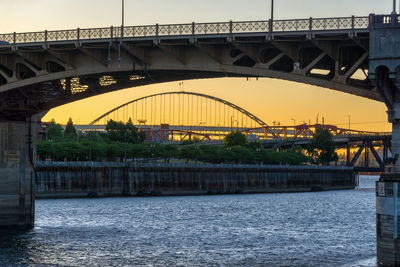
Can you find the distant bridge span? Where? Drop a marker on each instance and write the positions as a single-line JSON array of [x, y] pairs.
[[216, 99], [42, 70]]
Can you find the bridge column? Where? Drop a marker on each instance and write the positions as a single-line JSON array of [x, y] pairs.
[[384, 72], [16, 176]]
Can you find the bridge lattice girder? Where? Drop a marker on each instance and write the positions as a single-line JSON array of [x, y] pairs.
[[39, 71]]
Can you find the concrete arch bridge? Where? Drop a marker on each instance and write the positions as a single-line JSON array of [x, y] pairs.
[[41, 70]]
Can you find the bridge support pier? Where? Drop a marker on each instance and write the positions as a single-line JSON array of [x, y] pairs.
[[384, 72], [16, 176], [388, 208]]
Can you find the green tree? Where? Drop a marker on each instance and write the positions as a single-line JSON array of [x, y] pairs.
[[55, 131], [70, 131], [254, 145], [120, 132], [208, 153], [44, 149], [138, 151], [99, 150], [187, 152], [167, 151], [322, 147], [115, 150], [235, 138]]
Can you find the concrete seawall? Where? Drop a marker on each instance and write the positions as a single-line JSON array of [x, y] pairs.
[[72, 179]]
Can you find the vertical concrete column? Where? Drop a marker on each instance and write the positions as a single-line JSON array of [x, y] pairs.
[[396, 139], [384, 72], [16, 176], [387, 219]]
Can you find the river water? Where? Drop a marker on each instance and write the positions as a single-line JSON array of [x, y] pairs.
[[335, 228]]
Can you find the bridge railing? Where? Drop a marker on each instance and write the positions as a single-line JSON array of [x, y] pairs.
[[60, 35], [294, 25], [96, 33], [175, 29], [384, 20]]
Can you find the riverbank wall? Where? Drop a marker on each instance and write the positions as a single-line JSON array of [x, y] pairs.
[[94, 179]]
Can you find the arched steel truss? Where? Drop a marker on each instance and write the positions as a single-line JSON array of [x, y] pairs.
[[224, 102]]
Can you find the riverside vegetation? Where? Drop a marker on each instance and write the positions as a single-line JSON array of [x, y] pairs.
[[124, 141]]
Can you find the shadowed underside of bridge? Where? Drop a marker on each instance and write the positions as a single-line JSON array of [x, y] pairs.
[[39, 71]]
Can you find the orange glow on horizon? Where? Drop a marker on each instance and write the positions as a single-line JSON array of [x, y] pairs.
[[269, 99]]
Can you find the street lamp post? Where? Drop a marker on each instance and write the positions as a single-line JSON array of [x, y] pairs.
[[349, 120], [237, 124], [272, 10], [258, 154], [122, 33], [125, 146], [123, 13], [90, 148], [152, 151]]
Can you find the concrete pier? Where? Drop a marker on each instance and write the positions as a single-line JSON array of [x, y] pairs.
[[384, 72], [16, 176], [387, 219]]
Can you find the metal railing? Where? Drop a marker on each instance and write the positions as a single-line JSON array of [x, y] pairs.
[[152, 165], [276, 26]]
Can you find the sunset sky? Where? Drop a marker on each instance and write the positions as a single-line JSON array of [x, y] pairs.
[[269, 99]]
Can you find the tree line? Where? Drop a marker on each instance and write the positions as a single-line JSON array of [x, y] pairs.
[[123, 141]]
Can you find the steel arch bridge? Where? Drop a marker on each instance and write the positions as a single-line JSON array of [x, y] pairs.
[[182, 108]]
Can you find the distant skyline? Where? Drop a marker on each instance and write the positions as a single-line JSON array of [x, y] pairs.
[[270, 99]]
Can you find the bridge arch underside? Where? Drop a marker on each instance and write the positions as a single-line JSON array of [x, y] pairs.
[[34, 79]]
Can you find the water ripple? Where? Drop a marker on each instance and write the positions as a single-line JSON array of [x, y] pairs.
[[305, 229]]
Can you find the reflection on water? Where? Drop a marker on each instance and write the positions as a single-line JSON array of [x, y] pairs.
[[334, 228]]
